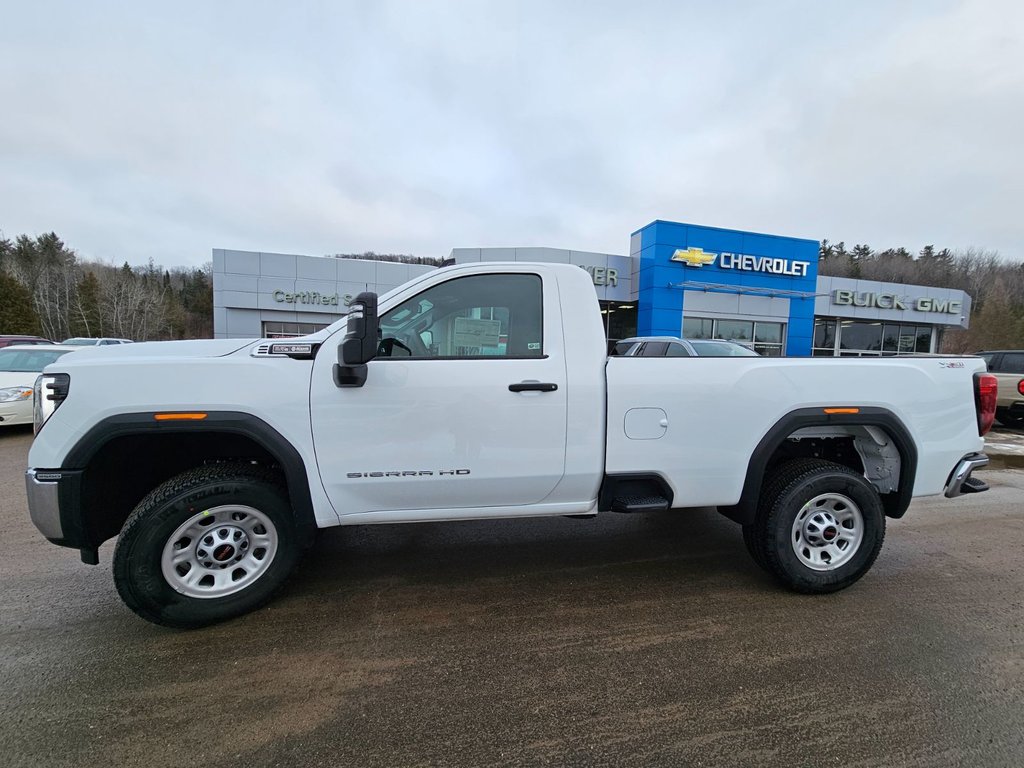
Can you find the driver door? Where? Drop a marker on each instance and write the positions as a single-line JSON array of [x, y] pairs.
[[436, 425]]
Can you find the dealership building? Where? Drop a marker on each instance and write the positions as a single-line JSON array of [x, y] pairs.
[[678, 280]]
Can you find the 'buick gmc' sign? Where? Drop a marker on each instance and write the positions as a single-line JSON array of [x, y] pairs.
[[892, 301]]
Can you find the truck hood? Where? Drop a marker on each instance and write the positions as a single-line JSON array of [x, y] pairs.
[[153, 349]]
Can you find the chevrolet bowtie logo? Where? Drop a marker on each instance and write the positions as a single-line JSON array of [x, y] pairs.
[[694, 257]]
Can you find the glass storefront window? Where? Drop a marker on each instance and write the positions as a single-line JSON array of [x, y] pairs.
[[734, 330], [765, 338], [698, 328], [619, 319], [908, 339], [275, 330], [770, 333], [824, 337], [860, 335], [924, 339], [890, 338], [866, 338]]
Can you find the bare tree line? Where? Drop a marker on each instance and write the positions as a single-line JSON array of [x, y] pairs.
[[402, 258], [46, 289]]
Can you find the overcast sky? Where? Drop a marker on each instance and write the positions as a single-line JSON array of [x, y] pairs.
[[164, 130]]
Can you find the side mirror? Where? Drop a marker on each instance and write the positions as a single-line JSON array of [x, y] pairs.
[[360, 343]]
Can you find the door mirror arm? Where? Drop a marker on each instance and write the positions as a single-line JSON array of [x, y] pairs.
[[360, 343]]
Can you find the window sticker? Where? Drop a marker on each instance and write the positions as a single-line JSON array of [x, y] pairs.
[[471, 332]]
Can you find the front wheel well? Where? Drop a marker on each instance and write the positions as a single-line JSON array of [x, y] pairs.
[[124, 457]]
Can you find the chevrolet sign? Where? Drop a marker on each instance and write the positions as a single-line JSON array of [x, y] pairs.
[[696, 257]]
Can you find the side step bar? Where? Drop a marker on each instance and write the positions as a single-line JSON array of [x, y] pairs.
[[640, 504], [960, 481]]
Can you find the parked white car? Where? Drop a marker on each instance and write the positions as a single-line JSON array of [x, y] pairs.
[[20, 366], [84, 341]]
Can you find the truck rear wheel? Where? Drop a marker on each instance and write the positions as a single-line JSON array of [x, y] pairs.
[[210, 544], [819, 526]]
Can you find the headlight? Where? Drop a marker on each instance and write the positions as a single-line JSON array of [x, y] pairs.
[[13, 394], [48, 393]]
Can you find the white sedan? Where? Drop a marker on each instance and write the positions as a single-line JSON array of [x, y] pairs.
[[19, 367]]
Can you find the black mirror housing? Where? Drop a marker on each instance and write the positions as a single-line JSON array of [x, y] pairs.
[[360, 343]]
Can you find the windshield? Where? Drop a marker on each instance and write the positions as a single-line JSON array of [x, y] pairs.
[[722, 349], [81, 342], [28, 360]]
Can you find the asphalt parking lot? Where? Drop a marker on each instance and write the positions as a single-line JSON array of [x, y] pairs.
[[626, 640]]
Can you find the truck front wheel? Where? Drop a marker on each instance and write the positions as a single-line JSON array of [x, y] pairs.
[[210, 544], [819, 526]]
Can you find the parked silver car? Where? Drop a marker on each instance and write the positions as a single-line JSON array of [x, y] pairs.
[[670, 346], [82, 341]]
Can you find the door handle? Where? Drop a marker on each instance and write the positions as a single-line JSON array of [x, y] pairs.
[[532, 386]]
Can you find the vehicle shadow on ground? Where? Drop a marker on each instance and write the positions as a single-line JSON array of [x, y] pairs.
[[683, 544]]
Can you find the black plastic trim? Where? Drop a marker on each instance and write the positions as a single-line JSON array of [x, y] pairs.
[[895, 503], [614, 485], [532, 386], [232, 422]]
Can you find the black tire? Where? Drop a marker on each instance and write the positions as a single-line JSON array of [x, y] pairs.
[[1004, 418], [138, 574], [773, 486], [792, 486], [751, 540]]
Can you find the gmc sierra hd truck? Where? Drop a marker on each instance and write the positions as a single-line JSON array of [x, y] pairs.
[[469, 393]]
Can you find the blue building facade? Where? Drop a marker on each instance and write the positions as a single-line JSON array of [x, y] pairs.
[[705, 282]]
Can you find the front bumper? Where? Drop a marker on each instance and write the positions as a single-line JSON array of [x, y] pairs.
[[960, 480], [53, 504], [44, 502]]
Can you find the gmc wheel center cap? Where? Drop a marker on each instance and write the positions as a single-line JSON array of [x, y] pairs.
[[223, 552], [830, 533]]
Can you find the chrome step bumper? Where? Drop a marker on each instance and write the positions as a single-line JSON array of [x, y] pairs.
[[960, 480]]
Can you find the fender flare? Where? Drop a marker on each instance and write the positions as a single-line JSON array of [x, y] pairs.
[[232, 422], [895, 504]]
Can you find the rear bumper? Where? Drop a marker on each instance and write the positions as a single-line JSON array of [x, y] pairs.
[[960, 477]]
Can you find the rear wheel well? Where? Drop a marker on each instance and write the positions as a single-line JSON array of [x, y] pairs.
[[871, 441], [838, 449], [125, 469]]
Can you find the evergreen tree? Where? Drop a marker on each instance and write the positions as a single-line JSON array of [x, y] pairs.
[[17, 315]]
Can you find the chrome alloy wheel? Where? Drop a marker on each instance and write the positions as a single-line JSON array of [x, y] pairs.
[[827, 531], [219, 551]]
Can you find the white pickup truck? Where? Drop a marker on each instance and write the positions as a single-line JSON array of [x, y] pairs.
[[475, 392]]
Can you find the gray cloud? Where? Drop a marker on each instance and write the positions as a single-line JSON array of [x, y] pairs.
[[163, 132]]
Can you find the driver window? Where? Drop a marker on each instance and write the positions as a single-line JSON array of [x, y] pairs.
[[468, 317]]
